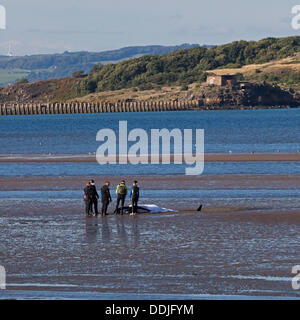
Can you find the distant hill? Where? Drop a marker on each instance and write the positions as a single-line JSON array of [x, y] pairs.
[[183, 67], [178, 68], [54, 66]]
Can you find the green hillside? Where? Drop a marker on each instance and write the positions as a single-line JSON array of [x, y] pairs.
[[183, 67], [179, 68], [55, 66]]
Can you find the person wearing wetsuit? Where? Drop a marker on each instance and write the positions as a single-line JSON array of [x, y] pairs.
[[105, 197], [134, 197], [87, 199], [94, 197]]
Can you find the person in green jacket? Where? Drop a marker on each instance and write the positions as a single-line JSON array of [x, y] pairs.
[[121, 195]]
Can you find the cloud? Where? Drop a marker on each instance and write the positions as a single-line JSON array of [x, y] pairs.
[[211, 30], [45, 45], [74, 31], [177, 16], [203, 30]]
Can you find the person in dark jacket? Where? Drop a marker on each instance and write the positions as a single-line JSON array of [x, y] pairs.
[[87, 199], [105, 197], [94, 197], [134, 196]]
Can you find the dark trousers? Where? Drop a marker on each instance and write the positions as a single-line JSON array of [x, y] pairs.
[[95, 205], [134, 203], [121, 198], [105, 203], [88, 206]]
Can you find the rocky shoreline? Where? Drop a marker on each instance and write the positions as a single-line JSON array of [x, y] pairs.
[[245, 95], [242, 95]]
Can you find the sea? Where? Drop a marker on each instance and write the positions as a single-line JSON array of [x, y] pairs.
[[228, 131]]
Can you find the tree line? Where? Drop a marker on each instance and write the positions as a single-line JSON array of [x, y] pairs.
[[185, 66]]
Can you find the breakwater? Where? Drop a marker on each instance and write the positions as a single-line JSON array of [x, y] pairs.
[[105, 107]]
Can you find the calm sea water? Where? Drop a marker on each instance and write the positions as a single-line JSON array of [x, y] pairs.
[[238, 131], [94, 169]]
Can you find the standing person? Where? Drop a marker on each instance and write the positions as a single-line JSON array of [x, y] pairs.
[[121, 193], [94, 197], [134, 196], [87, 199], [105, 197]]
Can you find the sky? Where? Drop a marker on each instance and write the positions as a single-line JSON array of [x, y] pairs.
[[54, 26]]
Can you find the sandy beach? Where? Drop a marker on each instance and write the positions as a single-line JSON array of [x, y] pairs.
[[213, 157], [242, 244], [173, 182], [174, 185], [215, 253]]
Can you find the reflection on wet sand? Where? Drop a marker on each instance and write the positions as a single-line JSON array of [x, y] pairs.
[[91, 230], [106, 232], [126, 229]]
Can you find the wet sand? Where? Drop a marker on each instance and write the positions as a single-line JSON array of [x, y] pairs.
[[243, 157], [50, 250], [174, 183], [223, 253], [233, 247], [171, 182]]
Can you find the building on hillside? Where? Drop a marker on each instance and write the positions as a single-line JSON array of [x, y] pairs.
[[222, 80]]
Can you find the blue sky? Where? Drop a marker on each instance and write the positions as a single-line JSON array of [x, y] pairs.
[[39, 26]]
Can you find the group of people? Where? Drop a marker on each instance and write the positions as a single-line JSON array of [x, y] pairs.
[[91, 198]]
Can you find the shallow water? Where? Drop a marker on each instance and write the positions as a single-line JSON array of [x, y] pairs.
[[83, 169], [211, 254], [81, 295], [157, 194]]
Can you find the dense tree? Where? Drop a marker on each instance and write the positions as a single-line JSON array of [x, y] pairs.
[[54, 66], [185, 66], [182, 67]]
